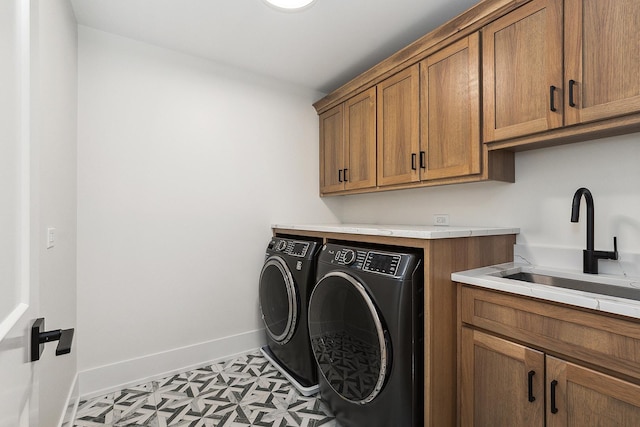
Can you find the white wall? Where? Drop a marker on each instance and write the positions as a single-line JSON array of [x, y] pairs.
[[183, 166], [54, 119], [539, 202]]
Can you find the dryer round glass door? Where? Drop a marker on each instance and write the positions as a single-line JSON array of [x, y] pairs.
[[348, 338], [278, 300]]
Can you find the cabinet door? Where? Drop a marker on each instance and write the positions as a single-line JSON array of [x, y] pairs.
[[331, 150], [522, 61], [579, 397], [450, 111], [602, 42], [501, 383], [398, 132], [360, 144]]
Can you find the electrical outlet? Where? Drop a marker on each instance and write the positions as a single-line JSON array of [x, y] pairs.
[[441, 219]]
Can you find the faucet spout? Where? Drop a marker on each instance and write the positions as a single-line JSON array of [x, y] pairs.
[[575, 213], [590, 255]]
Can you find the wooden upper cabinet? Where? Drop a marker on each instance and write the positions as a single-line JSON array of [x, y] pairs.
[[579, 397], [332, 150], [501, 382], [450, 111], [602, 51], [522, 64], [360, 141], [348, 144], [398, 127]]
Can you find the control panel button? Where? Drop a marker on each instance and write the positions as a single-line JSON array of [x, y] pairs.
[[345, 257], [348, 257], [281, 246]]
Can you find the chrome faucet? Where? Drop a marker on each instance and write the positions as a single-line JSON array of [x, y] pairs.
[[590, 256]]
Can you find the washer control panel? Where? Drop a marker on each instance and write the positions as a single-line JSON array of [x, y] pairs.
[[289, 247]]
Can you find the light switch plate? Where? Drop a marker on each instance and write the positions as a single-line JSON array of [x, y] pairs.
[[51, 237]]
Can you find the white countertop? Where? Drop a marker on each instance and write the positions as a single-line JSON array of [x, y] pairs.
[[490, 278], [409, 231]]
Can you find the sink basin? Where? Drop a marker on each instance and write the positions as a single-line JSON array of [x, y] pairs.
[[578, 285]]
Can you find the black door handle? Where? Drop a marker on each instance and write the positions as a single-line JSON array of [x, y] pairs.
[[532, 398], [413, 161], [552, 102], [554, 408], [572, 83], [423, 162], [339, 175], [344, 175], [39, 337]]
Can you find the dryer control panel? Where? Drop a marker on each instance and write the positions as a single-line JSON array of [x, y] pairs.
[[290, 247]]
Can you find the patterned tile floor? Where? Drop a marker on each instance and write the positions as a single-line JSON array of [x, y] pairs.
[[246, 391]]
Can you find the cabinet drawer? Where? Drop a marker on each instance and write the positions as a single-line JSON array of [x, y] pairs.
[[609, 342]]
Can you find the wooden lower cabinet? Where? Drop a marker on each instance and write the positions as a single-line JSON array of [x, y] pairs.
[[503, 384], [508, 376], [494, 382], [584, 397]]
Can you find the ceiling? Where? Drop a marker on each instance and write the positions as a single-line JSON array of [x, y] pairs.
[[321, 47]]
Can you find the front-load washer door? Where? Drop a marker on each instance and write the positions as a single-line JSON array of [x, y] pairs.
[[278, 300], [348, 338]]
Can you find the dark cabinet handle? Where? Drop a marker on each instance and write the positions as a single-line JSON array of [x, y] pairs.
[[413, 161], [554, 408], [423, 163], [345, 175], [572, 83], [532, 398], [552, 102], [339, 175]]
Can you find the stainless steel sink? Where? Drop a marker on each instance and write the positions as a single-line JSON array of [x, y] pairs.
[[578, 285]]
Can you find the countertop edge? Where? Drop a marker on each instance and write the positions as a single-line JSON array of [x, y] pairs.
[[404, 231], [482, 277]]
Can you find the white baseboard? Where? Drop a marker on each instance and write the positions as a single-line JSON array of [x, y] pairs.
[[113, 377], [71, 405]]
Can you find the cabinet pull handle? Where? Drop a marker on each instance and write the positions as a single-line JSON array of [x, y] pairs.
[[572, 83], [423, 163], [552, 102], [413, 161], [554, 408], [532, 398], [339, 175], [345, 175]]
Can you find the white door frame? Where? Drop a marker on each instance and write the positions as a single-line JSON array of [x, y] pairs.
[[18, 376]]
